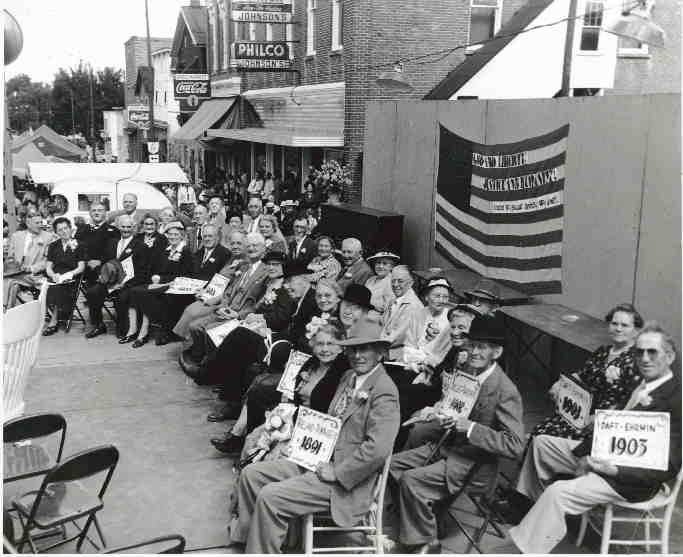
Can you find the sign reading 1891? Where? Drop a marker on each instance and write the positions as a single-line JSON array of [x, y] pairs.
[[260, 56]]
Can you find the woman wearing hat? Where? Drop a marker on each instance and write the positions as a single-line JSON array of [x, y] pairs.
[[325, 264], [380, 285], [354, 305], [175, 261]]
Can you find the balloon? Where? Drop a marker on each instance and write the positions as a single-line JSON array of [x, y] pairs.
[[14, 38]]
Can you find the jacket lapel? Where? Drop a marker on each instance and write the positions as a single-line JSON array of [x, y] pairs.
[[489, 389], [368, 386]]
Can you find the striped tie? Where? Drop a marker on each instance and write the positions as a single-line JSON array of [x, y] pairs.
[[345, 399]]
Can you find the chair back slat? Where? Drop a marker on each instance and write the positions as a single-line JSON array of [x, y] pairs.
[[84, 464], [30, 427]]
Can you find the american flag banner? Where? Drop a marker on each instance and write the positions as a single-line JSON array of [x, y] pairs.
[[500, 208]]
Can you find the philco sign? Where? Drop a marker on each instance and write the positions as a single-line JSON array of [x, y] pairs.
[[191, 84], [260, 56], [268, 11]]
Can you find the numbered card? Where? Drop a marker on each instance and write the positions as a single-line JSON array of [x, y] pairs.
[[632, 438], [573, 402], [128, 269], [217, 285], [185, 285], [313, 439], [292, 368], [460, 397], [218, 333]]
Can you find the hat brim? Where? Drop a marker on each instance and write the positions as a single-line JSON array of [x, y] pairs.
[[289, 275], [367, 306], [469, 309], [482, 295], [360, 341], [384, 256]]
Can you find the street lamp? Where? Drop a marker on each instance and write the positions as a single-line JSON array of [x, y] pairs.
[[394, 79]]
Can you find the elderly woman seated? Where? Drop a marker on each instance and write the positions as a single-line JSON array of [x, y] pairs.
[[65, 262], [380, 285]]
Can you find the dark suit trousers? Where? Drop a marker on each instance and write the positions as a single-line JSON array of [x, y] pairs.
[[173, 307], [96, 296]]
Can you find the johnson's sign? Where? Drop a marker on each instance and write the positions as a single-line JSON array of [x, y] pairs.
[[266, 11], [260, 56], [189, 84]]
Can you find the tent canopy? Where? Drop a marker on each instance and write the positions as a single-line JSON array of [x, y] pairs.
[[153, 173], [49, 142], [29, 153]]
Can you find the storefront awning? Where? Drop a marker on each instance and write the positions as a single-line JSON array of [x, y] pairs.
[[288, 138], [206, 116]]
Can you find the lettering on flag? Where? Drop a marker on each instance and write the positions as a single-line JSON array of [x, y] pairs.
[[500, 208]]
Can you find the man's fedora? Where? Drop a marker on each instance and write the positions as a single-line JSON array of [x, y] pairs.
[[295, 268], [365, 331], [487, 329], [359, 295], [486, 289]]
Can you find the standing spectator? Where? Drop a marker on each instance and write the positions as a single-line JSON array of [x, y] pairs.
[[130, 207], [255, 188], [287, 217], [253, 217], [200, 217], [302, 248], [187, 198], [268, 186]]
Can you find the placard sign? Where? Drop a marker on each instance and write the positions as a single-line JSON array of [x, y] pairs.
[[196, 85], [260, 56], [313, 439], [217, 285], [292, 368], [138, 114], [218, 333], [264, 11], [573, 402], [632, 438], [185, 285], [128, 269], [460, 397]]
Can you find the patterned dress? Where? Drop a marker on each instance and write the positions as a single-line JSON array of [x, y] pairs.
[[610, 383]]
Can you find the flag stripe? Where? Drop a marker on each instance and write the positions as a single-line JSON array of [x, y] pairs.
[[557, 159], [519, 218], [517, 207], [532, 264], [525, 145], [502, 230], [523, 252]]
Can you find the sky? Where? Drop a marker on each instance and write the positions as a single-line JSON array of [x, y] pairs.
[[58, 33]]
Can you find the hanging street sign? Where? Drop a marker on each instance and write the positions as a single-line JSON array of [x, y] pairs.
[[260, 56], [191, 84], [138, 114], [267, 11]]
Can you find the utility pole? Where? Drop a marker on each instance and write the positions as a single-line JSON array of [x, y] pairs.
[[92, 119], [568, 49], [151, 135], [73, 121]]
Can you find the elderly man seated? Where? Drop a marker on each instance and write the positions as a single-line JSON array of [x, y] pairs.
[[598, 482], [493, 428], [238, 302], [272, 493], [355, 270], [401, 310]]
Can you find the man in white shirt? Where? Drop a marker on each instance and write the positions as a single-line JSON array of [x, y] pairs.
[[493, 428], [254, 212], [598, 482], [398, 314]]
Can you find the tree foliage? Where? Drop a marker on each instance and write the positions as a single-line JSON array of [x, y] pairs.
[[28, 103]]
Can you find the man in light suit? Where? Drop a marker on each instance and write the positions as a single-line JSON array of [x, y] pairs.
[[398, 314], [26, 259], [598, 482], [272, 493], [130, 208], [355, 269], [494, 428]]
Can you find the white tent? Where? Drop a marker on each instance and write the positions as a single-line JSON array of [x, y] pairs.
[[153, 173]]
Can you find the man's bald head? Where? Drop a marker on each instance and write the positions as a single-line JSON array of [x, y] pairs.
[[130, 203], [352, 250], [126, 225]]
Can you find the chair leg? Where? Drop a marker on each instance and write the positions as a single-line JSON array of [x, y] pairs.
[[308, 534], [647, 535], [606, 530], [582, 529], [665, 530], [99, 531], [84, 533]]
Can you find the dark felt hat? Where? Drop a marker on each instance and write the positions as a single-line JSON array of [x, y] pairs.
[[275, 255], [365, 331], [485, 288], [487, 329], [295, 268], [359, 295]]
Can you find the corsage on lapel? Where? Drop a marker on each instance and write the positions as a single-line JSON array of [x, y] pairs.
[[362, 397], [72, 244], [612, 373]]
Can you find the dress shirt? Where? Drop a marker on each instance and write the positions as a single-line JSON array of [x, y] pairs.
[[122, 245], [253, 226], [644, 389], [360, 379], [207, 254], [30, 238], [480, 379], [298, 247]]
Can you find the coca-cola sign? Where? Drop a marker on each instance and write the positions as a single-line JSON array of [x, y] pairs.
[[190, 84]]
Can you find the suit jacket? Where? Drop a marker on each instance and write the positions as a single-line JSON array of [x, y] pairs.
[[307, 251], [96, 240], [323, 393], [277, 313], [358, 273], [498, 430], [366, 439], [639, 484], [169, 269], [244, 293], [37, 255], [397, 318], [247, 222], [192, 241], [213, 265], [296, 332]]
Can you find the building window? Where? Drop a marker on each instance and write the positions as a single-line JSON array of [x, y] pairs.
[[337, 24], [214, 39], [225, 26], [289, 37], [484, 20], [592, 21], [269, 32], [311, 6], [631, 48]]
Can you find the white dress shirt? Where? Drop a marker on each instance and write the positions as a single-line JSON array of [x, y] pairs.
[[122, 245]]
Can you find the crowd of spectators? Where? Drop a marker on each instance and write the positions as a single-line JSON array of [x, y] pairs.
[[270, 288]]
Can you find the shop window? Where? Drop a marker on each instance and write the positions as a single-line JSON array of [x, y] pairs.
[[337, 24], [311, 8], [592, 21], [293, 164], [484, 21], [269, 31]]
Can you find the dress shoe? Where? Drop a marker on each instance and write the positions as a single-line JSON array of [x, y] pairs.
[[229, 444], [51, 330], [125, 339], [140, 342], [188, 365], [96, 331], [227, 412]]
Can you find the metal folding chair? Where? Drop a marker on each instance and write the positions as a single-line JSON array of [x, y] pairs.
[[74, 304], [22, 456], [62, 499], [174, 543]]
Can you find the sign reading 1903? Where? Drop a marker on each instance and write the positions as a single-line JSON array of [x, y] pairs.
[[260, 56], [264, 11]]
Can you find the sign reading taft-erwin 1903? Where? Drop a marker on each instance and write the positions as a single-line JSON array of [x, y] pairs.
[[260, 56]]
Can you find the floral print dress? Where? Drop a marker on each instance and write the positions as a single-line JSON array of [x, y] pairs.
[[610, 383]]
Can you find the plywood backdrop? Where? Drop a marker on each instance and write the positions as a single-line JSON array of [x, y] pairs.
[[622, 227]]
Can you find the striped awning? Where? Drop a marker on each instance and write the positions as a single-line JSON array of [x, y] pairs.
[[210, 112]]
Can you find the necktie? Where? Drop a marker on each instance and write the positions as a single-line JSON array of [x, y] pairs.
[[635, 397], [390, 311], [345, 399], [207, 254]]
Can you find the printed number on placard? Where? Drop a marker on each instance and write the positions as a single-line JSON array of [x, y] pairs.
[[571, 407], [632, 447], [311, 445]]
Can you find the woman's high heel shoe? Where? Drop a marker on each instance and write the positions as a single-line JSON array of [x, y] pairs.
[[128, 338], [140, 342]]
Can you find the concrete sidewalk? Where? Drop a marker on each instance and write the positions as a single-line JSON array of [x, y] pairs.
[[169, 478]]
